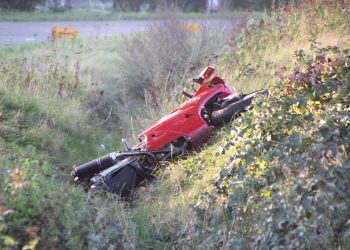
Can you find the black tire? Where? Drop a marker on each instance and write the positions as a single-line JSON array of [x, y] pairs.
[[124, 182], [233, 110]]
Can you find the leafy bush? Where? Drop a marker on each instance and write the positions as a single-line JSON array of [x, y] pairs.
[[262, 44], [286, 183], [22, 5], [37, 213], [285, 177]]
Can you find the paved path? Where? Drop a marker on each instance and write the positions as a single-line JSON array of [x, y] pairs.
[[29, 32]]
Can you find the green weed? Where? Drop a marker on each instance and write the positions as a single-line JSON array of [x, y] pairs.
[[276, 177]]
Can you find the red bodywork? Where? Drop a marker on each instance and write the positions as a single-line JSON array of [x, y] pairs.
[[186, 121]]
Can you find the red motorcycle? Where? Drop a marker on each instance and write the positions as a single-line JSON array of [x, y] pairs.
[[185, 128]]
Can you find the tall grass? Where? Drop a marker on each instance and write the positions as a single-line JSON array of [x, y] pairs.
[[182, 198], [60, 101], [268, 43], [48, 123], [55, 103], [156, 65]]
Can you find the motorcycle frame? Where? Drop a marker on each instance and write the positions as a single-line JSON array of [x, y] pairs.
[[161, 141], [185, 121]]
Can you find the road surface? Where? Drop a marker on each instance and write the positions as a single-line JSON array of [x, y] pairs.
[[29, 32]]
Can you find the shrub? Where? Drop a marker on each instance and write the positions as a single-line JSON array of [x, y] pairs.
[[286, 180], [21, 5], [41, 213], [154, 66]]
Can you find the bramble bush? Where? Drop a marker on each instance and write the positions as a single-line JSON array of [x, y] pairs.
[[286, 184], [265, 44], [286, 178], [39, 214]]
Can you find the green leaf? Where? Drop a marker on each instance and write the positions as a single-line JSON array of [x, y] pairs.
[[298, 110], [9, 241], [267, 194], [325, 131], [31, 245], [220, 151]]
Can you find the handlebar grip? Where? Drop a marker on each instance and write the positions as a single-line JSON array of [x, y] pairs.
[[197, 80]]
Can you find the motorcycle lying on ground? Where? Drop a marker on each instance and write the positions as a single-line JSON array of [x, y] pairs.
[[185, 128]]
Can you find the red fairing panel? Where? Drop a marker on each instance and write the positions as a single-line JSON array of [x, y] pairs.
[[185, 121]]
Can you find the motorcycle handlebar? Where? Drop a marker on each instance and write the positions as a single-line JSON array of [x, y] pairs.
[[197, 80]]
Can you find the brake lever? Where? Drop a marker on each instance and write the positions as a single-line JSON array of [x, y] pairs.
[[197, 80], [193, 89]]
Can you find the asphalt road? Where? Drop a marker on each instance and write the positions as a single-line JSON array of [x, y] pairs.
[[29, 32]]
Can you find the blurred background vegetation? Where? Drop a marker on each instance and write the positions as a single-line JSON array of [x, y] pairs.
[[136, 5], [73, 10]]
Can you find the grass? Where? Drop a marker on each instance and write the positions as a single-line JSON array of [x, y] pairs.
[[263, 51], [220, 197], [53, 108], [107, 15], [51, 117], [185, 199], [92, 57], [54, 101]]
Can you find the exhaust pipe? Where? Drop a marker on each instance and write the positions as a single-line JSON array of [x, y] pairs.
[[105, 162], [94, 166]]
